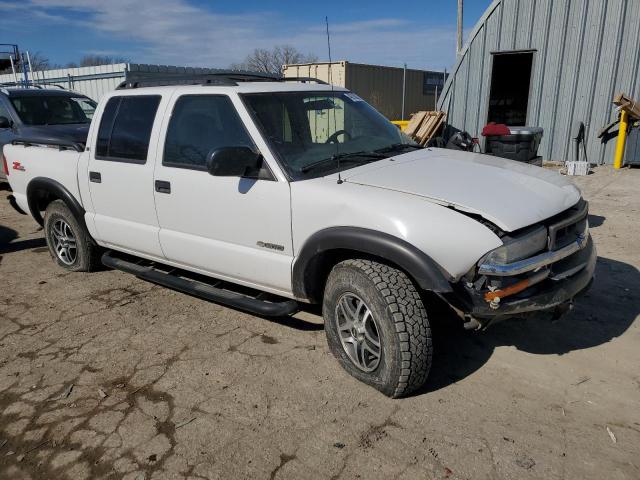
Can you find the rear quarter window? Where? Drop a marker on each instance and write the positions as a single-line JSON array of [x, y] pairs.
[[125, 128]]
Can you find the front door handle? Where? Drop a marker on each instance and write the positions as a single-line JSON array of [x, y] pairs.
[[163, 186], [95, 177]]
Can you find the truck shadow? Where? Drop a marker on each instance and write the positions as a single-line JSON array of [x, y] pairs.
[[596, 220], [9, 245], [605, 312]]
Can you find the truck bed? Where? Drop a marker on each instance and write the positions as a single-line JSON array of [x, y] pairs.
[[28, 162]]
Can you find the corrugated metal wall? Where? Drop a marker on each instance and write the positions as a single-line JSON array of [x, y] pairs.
[[379, 85], [94, 82], [585, 51], [382, 88]]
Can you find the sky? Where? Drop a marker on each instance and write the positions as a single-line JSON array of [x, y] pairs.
[[217, 33]]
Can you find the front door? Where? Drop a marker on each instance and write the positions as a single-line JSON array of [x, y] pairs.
[[120, 175], [229, 227]]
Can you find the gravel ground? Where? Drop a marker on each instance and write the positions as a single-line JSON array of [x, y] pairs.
[[103, 375]]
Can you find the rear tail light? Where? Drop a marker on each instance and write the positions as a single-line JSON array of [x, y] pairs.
[[5, 167]]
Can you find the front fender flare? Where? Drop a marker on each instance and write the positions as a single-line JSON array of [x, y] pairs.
[[57, 190], [420, 267]]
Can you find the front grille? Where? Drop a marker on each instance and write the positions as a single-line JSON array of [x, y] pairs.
[[567, 235], [561, 265], [567, 226]]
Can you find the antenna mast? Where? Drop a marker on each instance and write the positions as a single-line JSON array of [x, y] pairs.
[[333, 98]]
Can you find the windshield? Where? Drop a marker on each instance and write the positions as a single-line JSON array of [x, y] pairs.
[[316, 133], [53, 110]]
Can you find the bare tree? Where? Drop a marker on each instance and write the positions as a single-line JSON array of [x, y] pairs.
[[39, 61], [95, 60], [272, 61]]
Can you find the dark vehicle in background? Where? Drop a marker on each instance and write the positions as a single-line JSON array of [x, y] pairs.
[[44, 115]]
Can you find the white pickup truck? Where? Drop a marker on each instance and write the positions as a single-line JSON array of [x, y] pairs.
[[263, 194]]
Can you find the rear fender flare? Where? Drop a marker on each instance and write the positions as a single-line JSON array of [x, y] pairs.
[[308, 264], [57, 190]]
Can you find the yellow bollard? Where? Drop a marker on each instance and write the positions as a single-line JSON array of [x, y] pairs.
[[622, 139]]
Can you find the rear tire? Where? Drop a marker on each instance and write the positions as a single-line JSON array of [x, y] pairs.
[[377, 326], [69, 243]]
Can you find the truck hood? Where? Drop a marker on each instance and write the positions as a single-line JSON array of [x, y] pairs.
[[510, 194], [76, 132]]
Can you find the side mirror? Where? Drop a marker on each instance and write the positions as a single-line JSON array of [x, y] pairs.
[[5, 122], [233, 162]]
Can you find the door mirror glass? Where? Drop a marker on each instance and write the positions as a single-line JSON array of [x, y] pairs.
[[234, 162], [5, 122]]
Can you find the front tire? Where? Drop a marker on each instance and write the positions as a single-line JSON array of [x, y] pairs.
[[69, 243], [377, 326]]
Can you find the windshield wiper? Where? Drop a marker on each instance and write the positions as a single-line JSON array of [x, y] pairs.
[[398, 146], [352, 156]]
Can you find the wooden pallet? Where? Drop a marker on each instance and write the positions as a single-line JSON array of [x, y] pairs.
[[414, 123], [429, 127]]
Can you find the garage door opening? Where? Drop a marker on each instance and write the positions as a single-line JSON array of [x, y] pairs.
[[510, 81]]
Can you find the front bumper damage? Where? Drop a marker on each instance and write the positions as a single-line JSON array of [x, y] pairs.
[[547, 282]]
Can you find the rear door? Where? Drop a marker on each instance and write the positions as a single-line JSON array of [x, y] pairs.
[[230, 227], [121, 174]]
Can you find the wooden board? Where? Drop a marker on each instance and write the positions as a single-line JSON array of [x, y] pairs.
[[414, 123], [429, 127], [628, 104]]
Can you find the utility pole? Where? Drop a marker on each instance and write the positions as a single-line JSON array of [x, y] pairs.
[[404, 88], [460, 17]]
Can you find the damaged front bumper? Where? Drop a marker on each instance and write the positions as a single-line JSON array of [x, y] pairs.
[[561, 283]]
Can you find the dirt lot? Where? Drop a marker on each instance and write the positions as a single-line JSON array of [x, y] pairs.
[[195, 390]]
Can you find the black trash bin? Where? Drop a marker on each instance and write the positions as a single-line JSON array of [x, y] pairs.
[[521, 145], [632, 150]]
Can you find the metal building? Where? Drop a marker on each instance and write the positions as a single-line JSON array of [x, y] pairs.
[[380, 86], [94, 82], [548, 63]]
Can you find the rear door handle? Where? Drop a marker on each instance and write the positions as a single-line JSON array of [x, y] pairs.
[[162, 186], [95, 177]]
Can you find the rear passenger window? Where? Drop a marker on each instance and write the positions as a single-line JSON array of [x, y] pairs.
[[200, 124], [125, 128]]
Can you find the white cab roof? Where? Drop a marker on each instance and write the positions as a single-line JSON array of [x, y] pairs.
[[242, 87]]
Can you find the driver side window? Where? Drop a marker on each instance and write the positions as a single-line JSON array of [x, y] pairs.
[[200, 124]]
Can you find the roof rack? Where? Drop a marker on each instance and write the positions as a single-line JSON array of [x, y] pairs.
[[19, 85], [303, 80], [37, 86], [222, 78]]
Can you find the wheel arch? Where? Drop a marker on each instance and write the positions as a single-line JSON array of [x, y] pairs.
[[328, 247], [41, 191]]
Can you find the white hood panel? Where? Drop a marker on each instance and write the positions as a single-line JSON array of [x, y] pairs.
[[510, 194]]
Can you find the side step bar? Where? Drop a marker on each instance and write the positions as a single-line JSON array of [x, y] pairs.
[[200, 289]]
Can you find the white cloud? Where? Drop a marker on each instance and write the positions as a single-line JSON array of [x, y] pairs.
[[176, 32]]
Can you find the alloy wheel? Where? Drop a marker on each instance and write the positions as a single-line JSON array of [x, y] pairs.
[[64, 242], [358, 332]]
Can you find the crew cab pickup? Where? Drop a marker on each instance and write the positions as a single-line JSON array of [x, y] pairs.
[[266, 194]]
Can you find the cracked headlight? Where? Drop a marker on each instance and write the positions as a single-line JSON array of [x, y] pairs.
[[518, 248]]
